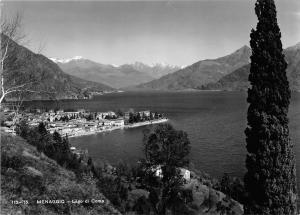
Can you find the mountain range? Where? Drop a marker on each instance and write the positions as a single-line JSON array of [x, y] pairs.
[[111, 75], [78, 77], [200, 73], [49, 80], [228, 73], [238, 80], [156, 70]]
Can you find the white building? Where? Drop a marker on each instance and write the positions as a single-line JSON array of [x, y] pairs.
[[51, 118], [106, 123], [118, 122], [145, 113], [71, 114], [60, 112], [158, 172], [185, 173], [102, 115]]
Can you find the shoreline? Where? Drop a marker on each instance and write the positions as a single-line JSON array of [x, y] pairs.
[[135, 125], [140, 124]]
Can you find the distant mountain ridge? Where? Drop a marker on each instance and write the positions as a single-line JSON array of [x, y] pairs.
[[200, 73], [228, 73], [53, 82], [114, 76], [58, 60], [235, 81], [238, 80], [156, 70]]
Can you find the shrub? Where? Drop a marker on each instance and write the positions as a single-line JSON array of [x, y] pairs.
[[233, 187]]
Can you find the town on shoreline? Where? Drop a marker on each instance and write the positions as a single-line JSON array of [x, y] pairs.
[[81, 122]]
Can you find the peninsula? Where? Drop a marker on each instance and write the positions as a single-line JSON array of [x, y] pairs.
[[81, 122]]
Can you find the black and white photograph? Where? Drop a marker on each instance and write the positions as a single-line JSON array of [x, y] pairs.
[[150, 107]]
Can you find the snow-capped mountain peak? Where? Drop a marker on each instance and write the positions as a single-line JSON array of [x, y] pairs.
[[66, 60], [162, 64], [154, 65]]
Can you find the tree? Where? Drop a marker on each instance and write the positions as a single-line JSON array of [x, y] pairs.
[[271, 174], [57, 144], [10, 30], [151, 116], [16, 81], [65, 146], [42, 129], [142, 206], [168, 149], [22, 129], [233, 187], [119, 113], [131, 117], [12, 80], [45, 141], [89, 117], [225, 184], [138, 117]]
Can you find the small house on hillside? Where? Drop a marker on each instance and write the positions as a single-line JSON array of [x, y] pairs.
[[185, 173]]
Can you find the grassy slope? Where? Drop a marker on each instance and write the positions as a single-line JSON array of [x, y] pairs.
[[27, 174]]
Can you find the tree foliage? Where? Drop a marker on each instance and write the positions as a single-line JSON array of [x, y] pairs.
[[233, 187], [167, 149], [167, 146], [52, 145], [166, 194], [58, 148], [271, 177], [16, 80]]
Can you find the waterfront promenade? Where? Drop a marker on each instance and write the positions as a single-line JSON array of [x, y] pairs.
[[109, 129], [81, 122]]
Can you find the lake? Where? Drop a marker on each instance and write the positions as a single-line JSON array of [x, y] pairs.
[[215, 123]]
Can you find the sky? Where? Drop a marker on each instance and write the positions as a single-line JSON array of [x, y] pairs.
[[173, 32]]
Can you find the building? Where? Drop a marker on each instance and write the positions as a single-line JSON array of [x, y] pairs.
[[81, 111], [51, 118], [158, 171], [185, 173], [145, 113], [107, 123], [118, 122], [103, 115], [59, 111], [74, 115]]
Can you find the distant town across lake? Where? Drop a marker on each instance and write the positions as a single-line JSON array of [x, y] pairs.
[[214, 121]]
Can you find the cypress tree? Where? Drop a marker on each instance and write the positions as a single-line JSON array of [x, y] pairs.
[[270, 180]]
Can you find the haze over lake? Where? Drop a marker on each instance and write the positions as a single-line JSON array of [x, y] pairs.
[[215, 123]]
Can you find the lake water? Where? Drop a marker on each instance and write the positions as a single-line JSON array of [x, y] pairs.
[[215, 123]]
